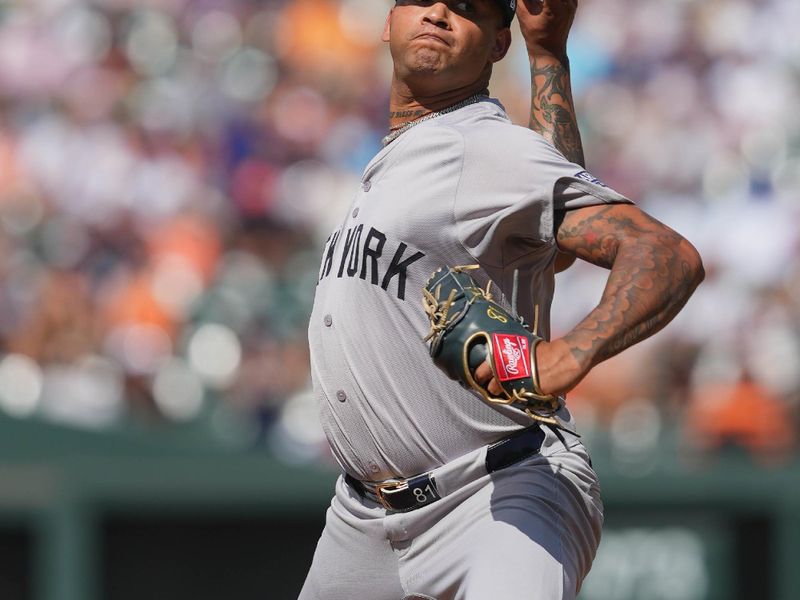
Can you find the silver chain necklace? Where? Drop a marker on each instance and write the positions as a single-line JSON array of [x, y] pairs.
[[393, 135]]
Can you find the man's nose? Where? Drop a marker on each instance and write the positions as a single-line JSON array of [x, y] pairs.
[[438, 14]]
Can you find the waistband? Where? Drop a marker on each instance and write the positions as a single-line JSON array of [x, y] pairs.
[[404, 495]]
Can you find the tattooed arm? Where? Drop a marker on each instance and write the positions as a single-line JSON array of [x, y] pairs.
[[552, 108], [545, 25], [653, 271]]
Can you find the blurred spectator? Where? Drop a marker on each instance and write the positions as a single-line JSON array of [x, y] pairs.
[[169, 171]]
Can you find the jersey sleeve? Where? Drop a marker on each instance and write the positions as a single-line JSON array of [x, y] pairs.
[[512, 182]]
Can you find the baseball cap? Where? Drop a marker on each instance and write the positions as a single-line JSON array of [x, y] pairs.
[[509, 7]]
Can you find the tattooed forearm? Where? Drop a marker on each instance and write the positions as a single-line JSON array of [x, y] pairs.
[[552, 108], [653, 273]]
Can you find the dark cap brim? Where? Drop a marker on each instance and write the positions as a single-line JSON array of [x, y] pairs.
[[508, 7]]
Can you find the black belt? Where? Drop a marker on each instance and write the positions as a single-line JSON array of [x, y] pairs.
[[403, 495]]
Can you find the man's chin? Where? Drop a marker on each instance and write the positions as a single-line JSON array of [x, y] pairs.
[[423, 71], [425, 61]]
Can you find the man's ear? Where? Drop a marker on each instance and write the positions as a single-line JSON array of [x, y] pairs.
[[387, 27], [502, 42]]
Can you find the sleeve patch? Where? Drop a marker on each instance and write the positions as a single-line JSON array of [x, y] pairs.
[[586, 176]]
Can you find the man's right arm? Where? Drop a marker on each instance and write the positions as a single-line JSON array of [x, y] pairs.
[[545, 25]]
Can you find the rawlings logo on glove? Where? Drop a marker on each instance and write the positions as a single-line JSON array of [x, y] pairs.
[[468, 327], [510, 351]]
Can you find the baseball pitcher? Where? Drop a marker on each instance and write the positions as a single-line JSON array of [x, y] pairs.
[[439, 388]]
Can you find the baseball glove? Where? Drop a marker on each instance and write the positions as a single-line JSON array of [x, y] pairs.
[[469, 327]]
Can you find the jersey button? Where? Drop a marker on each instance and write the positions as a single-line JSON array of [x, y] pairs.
[[341, 396], [367, 186], [355, 212], [328, 320]]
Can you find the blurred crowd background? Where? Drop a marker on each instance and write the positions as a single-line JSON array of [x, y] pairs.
[[170, 169]]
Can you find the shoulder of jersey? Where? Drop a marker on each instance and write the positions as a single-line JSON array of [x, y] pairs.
[[485, 128], [495, 132]]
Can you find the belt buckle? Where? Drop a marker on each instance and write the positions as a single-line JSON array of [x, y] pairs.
[[388, 487]]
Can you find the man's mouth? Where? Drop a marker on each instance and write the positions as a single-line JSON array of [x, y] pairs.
[[431, 36]]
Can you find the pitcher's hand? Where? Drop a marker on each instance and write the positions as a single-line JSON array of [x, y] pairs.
[[545, 24], [559, 371]]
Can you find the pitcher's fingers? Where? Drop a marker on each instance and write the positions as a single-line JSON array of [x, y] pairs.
[[495, 389], [483, 374]]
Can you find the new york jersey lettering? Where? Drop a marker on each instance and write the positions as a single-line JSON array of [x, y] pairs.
[[348, 246], [398, 268], [355, 251], [373, 254], [367, 260], [330, 248]]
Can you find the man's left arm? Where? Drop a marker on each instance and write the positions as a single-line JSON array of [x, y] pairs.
[[653, 272]]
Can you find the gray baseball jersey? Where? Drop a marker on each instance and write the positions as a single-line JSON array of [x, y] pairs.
[[467, 187]]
